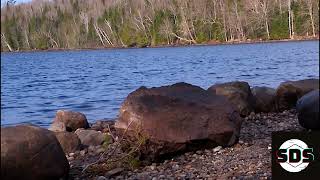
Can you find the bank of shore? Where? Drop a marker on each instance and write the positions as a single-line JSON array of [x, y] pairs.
[[250, 158], [212, 43]]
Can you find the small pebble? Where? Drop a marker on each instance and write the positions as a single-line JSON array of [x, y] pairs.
[[199, 152], [175, 166], [216, 149], [114, 172], [152, 168], [119, 178], [70, 158], [101, 178]]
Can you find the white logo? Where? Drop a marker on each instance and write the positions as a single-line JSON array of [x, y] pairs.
[[294, 155]]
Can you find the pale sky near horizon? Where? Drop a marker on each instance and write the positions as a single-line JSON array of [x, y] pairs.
[[17, 1]]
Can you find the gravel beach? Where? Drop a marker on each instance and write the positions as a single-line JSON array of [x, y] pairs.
[[250, 158]]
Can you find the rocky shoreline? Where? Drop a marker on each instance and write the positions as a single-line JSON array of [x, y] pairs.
[[236, 162], [171, 132]]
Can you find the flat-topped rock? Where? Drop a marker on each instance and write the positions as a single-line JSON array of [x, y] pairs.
[[89, 137], [179, 117]]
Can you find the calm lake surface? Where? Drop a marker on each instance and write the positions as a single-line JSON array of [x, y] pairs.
[[34, 85]]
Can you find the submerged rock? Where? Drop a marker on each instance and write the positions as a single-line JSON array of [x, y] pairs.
[[289, 92], [308, 110], [264, 99], [69, 121], [179, 117], [238, 93], [30, 152]]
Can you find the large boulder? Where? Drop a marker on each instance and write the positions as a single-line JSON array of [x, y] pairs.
[[264, 99], [89, 137], [238, 93], [308, 110], [32, 153], [69, 141], [177, 118], [68, 121], [289, 92]]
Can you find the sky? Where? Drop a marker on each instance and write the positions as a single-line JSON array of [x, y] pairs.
[[17, 1]]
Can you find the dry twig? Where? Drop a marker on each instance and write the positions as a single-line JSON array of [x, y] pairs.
[[102, 155]]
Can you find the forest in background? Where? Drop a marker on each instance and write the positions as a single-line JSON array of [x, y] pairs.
[[71, 24]]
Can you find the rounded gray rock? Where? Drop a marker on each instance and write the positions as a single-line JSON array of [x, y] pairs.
[[308, 110], [90, 137]]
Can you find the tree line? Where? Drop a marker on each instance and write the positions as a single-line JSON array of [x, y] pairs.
[[42, 24]]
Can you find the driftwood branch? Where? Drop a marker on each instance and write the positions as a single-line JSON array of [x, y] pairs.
[[184, 39], [111, 133], [3, 38], [48, 35], [98, 33]]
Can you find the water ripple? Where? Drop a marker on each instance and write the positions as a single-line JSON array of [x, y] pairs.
[[35, 85]]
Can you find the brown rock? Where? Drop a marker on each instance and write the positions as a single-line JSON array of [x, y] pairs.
[[103, 124], [179, 117], [90, 137], [58, 127], [264, 99], [289, 92], [72, 120], [238, 93], [30, 152], [68, 141]]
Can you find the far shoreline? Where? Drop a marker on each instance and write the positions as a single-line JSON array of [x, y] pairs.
[[169, 46]]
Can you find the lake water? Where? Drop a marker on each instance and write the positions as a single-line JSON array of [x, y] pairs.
[[34, 85]]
